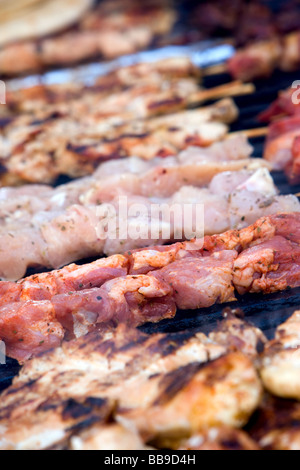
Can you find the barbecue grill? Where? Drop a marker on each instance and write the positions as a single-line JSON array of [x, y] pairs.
[[266, 312]]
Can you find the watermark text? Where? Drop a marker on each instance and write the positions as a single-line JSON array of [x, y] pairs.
[[296, 94], [2, 92]]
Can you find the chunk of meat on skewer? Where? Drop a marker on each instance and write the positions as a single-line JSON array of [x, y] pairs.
[[163, 387], [260, 258]]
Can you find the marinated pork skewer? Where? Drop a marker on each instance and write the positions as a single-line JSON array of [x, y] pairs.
[[261, 58], [160, 87], [39, 153], [163, 387], [38, 312], [282, 148], [284, 106]]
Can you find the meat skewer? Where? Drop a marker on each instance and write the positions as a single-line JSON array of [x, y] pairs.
[[245, 21], [282, 147], [259, 60], [159, 388], [46, 227], [38, 312], [280, 361], [129, 105], [106, 32], [40, 152], [284, 106], [283, 135], [58, 133], [175, 79]]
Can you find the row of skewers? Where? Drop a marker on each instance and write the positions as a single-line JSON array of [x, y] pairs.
[[135, 133]]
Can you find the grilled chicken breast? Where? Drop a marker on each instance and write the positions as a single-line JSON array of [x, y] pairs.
[[94, 223], [220, 439], [164, 386]]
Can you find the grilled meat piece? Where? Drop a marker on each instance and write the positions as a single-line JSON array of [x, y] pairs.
[[276, 424], [85, 218], [40, 151], [167, 71], [107, 33], [165, 386], [107, 437], [259, 60], [282, 147], [220, 439], [283, 106], [280, 361]]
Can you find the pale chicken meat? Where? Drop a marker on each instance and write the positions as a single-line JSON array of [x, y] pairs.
[[107, 437], [177, 75], [156, 74], [280, 361], [262, 58], [113, 215], [282, 147], [220, 438], [159, 387]]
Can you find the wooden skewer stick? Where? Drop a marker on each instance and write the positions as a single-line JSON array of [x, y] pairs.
[[236, 88], [252, 133], [297, 195], [215, 70]]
